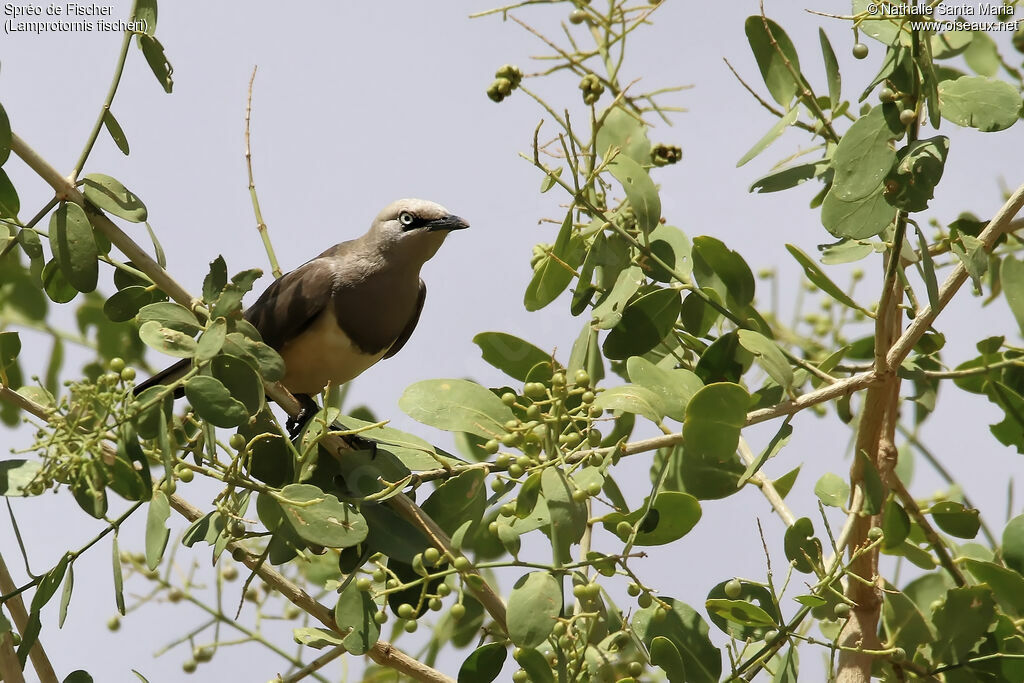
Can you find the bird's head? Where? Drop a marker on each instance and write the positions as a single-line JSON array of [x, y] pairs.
[[413, 229]]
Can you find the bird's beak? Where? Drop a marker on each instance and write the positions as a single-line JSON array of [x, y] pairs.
[[448, 222]]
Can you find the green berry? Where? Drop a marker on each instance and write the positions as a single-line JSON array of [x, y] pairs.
[[860, 50], [579, 590], [535, 390], [128, 374], [874, 533], [184, 474], [515, 471], [886, 95], [635, 669], [593, 488], [491, 446], [588, 397], [577, 16], [841, 611], [520, 676], [633, 590], [363, 583], [508, 398], [379, 576], [733, 588], [202, 654], [116, 364], [406, 611], [189, 666], [908, 116], [461, 564], [623, 529], [558, 379], [898, 654], [229, 573], [237, 441], [114, 623], [237, 528], [380, 617], [458, 611], [431, 556], [645, 600], [411, 626]]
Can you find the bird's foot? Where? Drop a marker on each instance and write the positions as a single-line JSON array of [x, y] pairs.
[[308, 408]]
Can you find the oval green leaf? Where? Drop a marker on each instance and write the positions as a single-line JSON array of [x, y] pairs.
[[533, 607]]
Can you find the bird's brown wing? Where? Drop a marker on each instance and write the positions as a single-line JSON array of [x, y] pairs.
[[411, 325], [291, 303]]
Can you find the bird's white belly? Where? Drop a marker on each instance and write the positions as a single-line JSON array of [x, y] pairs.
[[323, 353]]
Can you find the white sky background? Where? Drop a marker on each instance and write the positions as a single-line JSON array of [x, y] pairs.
[[359, 104]]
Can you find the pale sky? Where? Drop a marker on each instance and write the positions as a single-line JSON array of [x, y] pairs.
[[357, 104]]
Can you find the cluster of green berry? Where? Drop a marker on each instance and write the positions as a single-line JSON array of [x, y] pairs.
[[592, 88], [506, 79], [550, 419]]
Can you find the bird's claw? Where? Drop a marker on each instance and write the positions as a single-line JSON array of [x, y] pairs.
[[308, 408]]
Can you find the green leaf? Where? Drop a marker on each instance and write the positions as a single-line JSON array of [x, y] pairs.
[[50, 582], [832, 490], [9, 202], [802, 548], [124, 305], [355, 610], [630, 398], [110, 195], [118, 576], [527, 496], [982, 55], [5, 136], [172, 315], [459, 500], [895, 525], [533, 608], [316, 638], [10, 347], [672, 246], [674, 387], [788, 177], [671, 517], [73, 246], [535, 665], [258, 355], [212, 340], [116, 133], [917, 172], [854, 206], [157, 532], [166, 340], [321, 518], [456, 405], [724, 270], [214, 402], [962, 621], [777, 443], [740, 612], [955, 519], [771, 58], [145, 10], [568, 517], [608, 311], [1011, 274], [645, 322], [978, 102], [817, 276], [835, 81], [769, 356], [16, 475], [65, 596], [665, 656], [640, 191], [484, 664], [153, 51], [241, 380], [688, 632], [743, 624], [714, 417], [928, 270], [973, 256], [784, 122], [903, 621], [510, 354], [623, 131], [550, 274]]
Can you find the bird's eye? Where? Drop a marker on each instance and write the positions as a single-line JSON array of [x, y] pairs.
[[406, 218]]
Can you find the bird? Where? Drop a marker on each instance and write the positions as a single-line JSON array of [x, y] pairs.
[[355, 304]]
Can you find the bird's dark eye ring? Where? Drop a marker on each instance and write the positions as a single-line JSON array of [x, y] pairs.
[[406, 218]]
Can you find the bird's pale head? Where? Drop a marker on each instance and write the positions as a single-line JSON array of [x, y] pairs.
[[413, 229]]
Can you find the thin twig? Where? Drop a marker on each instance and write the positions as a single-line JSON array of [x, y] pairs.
[[16, 608], [261, 226]]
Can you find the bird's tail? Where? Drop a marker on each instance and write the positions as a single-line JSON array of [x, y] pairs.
[[165, 376]]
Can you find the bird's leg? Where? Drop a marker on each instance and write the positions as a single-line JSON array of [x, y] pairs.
[[308, 408]]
